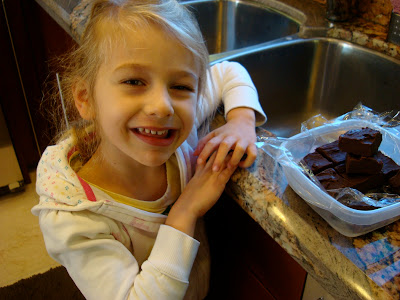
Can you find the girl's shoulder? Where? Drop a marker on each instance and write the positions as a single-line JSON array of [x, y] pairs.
[[64, 154]]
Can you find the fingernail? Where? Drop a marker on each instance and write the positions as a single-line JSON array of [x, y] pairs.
[[199, 161], [215, 168]]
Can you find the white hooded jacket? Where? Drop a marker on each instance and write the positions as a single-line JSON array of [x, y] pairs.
[[115, 251]]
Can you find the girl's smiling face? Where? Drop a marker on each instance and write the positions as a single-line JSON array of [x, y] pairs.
[[145, 97]]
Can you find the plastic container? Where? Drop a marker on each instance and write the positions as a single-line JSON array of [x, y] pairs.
[[349, 222]]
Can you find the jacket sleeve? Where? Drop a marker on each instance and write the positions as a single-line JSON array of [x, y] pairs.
[[103, 268], [230, 83]]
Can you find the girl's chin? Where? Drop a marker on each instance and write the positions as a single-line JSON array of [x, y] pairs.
[[155, 159]]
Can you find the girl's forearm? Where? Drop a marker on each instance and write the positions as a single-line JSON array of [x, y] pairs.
[[243, 114], [182, 219]]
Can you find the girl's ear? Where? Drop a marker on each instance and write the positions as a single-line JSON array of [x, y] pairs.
[[81, 93]]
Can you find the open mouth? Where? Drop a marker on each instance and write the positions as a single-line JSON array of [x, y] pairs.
[[153, 133], [154, 136]]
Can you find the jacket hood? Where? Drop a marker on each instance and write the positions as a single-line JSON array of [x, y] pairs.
[[60, 188]]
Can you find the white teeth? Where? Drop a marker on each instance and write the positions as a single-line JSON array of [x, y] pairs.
[[155, 132]]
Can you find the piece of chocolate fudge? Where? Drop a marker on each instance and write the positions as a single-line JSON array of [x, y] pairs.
[[332, 152], [362, 164], [362, 142], [357, 204], [316, 162], [361, 182], [389, 167], [394, 183], [331, 180]]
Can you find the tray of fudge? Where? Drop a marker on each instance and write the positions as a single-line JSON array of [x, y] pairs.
[[348, 172]]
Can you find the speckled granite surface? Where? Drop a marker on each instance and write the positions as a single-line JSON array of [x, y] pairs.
[[367, 26], [363, 35], [366, 267]]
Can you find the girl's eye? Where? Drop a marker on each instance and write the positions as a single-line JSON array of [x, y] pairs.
[[183, 88], [133, 82]]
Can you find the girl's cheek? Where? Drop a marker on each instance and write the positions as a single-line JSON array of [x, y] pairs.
[[187, 113], [193, 113], [189, 107]]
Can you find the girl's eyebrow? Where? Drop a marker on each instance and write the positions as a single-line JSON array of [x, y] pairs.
[[184, 73], [129, 66], [139, 67]]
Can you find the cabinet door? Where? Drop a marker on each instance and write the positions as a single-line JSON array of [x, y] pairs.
[[29, 39], [246, 262], [12, 97]]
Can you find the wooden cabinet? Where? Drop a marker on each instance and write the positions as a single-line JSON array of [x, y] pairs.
[[30, 38], [246, 262]]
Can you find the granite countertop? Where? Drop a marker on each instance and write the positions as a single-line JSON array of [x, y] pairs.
[[365, 267]]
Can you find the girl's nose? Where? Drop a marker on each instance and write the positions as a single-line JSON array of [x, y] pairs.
[[159, 103]]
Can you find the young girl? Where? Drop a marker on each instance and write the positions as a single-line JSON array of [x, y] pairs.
[[119, 197]]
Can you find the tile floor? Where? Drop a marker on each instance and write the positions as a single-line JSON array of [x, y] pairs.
[[22, 250]]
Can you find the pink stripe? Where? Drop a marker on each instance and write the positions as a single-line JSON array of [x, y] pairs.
[[88, 190], [70, 152]]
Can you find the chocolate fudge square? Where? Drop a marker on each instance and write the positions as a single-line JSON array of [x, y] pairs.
[[361, 182], [357, 204], [394, 183], [331, 180], [362, 164], [332, 152], [389, 167], [362, 142], [316, 162]]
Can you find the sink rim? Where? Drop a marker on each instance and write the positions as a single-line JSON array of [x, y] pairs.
[[269, 6], [290, 40], [306, 32], [274, 6]]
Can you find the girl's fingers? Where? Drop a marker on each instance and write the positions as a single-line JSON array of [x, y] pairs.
[[209, 163], [227, 173], [238, 154], [203, 142], [208, 149], [227, 169], [222, 152], [251, 156]]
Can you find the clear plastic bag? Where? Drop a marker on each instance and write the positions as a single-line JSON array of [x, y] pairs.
[[317, 131]]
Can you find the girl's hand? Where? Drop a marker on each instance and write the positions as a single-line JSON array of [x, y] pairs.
[[199, 195], [237, 135]]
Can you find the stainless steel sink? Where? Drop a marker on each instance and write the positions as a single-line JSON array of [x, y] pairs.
[[301, 78], [229, 25]]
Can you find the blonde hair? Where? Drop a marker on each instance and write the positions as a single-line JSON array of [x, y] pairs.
[[118, 17]]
